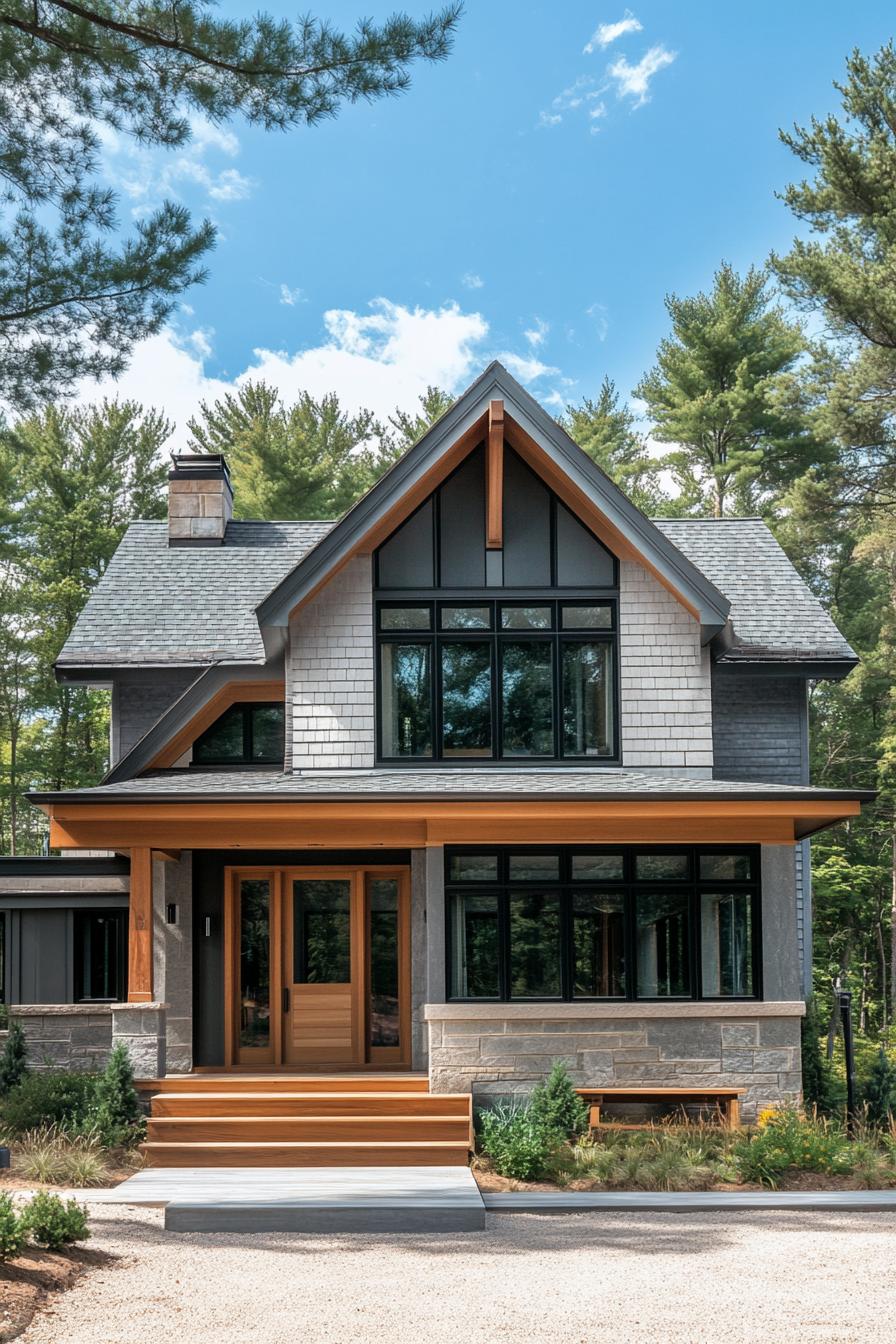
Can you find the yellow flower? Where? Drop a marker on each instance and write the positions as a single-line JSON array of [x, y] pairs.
[[766, 1117]]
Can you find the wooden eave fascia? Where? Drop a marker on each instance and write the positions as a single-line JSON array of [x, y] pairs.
[[231, 824]]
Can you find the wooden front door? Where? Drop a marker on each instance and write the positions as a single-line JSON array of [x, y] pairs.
[[318, 968]]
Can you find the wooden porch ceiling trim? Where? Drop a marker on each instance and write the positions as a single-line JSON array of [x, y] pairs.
[[408, 824], [228, 695]]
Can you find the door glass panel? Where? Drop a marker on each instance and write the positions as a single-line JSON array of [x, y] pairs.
[[663, 944], [467, 699], [527, 699], [382, 895], [321, 931], [255, 962], [598, 931]]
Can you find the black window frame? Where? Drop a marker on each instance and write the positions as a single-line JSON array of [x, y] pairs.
[[558, 638], [120, 918], [628, 886], [246, 759]]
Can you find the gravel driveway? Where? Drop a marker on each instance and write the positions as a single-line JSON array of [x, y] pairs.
[[618, 1277]]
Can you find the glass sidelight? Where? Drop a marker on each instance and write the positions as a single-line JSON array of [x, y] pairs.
[[254, 907], [387, 937]]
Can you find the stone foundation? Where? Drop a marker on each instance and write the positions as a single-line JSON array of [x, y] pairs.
[[503, 1049], [80, 1036]]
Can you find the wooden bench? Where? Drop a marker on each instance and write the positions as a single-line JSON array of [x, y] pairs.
[[726, 1100]]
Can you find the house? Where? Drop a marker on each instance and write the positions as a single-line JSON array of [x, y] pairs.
[[494, 770]]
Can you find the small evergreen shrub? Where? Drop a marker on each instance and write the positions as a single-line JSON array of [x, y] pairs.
[[515, 1140], [819, 1089], [54, 1224], [40, 1100], [12, 1229], [880, 1091], [557, 1105], [117, 1116], [13, 1058]]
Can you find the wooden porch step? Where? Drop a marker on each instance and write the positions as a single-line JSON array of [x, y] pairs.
[[287, 1082], [400, 1154], [309, 1129], [265, 1103]]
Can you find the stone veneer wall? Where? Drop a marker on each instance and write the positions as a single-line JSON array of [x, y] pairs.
[[498, 1049], [172, 884], [665, 690], [330, 679], [80, 1036]]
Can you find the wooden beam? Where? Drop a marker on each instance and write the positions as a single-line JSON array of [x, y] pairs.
[[494, 477], [166, 855], [140, 927]]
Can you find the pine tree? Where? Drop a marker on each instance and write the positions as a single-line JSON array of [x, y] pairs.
[[118, 1112], [607, 432], [72, 303], [725, 390]]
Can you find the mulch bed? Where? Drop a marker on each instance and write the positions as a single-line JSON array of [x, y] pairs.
[[31, 1280], [489, 1182]]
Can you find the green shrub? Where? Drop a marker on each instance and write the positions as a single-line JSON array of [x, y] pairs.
[[117, 1116], [879, 1092], [787, 1140], [12, 1229], [557, 1106], [515, 1141], [63, 1099], [53, 1224], [13, 1058]]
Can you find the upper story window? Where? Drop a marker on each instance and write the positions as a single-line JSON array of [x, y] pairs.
[[495, 680], [503, 655], [245, 734]]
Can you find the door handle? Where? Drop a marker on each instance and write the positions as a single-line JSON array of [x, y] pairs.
[[285, 999]]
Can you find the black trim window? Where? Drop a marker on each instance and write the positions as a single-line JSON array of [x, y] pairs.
[[493, 680], [603, 923], [245, 734], [100, 946]]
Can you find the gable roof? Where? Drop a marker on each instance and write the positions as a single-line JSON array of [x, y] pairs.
[[161, 604], [418, 462], [775, 617]]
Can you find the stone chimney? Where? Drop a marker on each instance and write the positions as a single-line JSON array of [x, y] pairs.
[[200, 499]]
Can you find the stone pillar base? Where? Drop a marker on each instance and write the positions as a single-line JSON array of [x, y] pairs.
[[141, 1026]]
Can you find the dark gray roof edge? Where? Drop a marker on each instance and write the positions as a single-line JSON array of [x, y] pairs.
[[789, 664], [64, 865], [758, 795], [178, 715], [467, 409]]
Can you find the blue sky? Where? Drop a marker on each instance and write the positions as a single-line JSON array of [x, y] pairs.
[[534, 197]]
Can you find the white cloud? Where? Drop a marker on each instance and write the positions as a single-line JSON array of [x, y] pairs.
[[526, 367], [147, 175], [605, 33], [536, 334], [204, 134], [580, 95], [290, 297], [470, 280], [633, 81], [600, 317]]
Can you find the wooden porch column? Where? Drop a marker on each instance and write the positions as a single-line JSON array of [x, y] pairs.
[[140, 927]]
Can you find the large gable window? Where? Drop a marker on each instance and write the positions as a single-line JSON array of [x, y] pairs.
[[245, 734], [497, 681]]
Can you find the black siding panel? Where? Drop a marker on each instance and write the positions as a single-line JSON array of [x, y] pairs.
[[462, 524], [527, 526]]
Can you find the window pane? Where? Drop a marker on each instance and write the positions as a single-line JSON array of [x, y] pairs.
[[534, 945], [99, 964], [534, 867], [405, 618], [597, 867], [406, 705], [662, 944], [467, 699], [726, 942], [255, 967], [527, 618], [321, 933], [598, 931], [473, 868], [661, 867], [726, 867], [587, 702], [223, 741], [586, 618], [267, 733], [466, 618], [527, 689], [382, 904], [474, 946]]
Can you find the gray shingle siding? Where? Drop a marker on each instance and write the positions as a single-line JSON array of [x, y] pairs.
[[138, 703]]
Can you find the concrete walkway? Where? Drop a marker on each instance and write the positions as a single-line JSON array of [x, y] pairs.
[[696, 1201], [306, 1199]]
